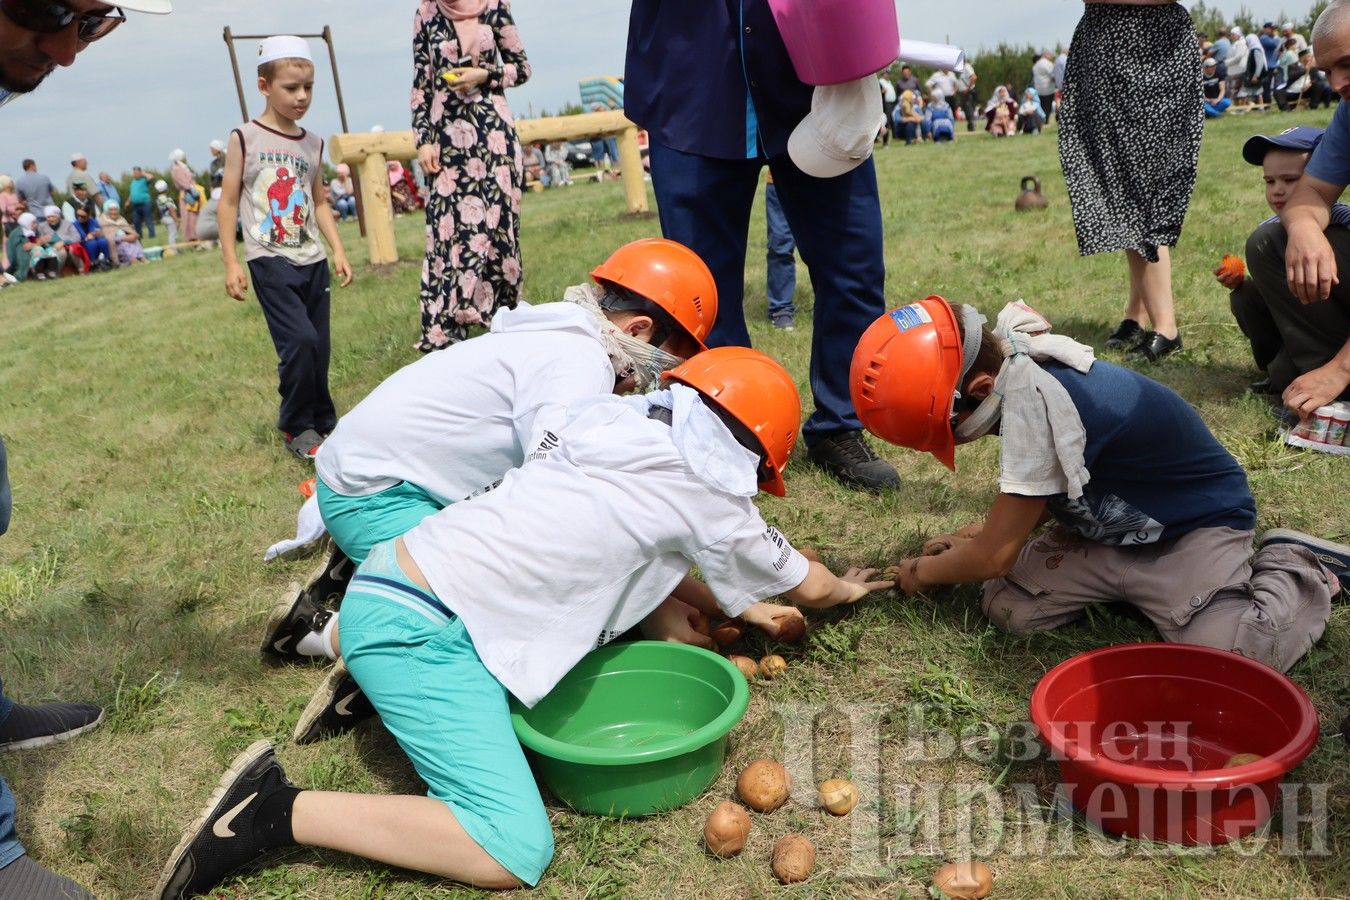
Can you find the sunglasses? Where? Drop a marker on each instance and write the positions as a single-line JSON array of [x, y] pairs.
[[49, 17]]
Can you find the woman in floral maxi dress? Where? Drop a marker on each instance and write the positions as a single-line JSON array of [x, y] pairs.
[[467, 146]]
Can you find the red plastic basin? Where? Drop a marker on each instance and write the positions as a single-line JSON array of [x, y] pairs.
[[1142, 731]]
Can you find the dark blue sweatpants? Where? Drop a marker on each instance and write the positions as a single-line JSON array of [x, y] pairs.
[[705, 205], [294, 301]]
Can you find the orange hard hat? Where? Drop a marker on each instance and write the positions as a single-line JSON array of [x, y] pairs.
[[755, 391], [670, 275], [904, 377]]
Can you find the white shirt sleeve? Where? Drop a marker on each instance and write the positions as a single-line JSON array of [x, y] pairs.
[[751, 563]]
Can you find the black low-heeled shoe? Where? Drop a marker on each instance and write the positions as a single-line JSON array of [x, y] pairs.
[[1127, 334], [1154, 347]]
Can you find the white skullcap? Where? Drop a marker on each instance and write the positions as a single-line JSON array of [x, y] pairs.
[[218, 144], [161, 185], [76, 157], [1288, 26], [177, 156], [377, 129], [283, 46], [51, 210]]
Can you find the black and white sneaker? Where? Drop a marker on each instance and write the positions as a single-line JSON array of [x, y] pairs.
[[327, 584], [338, 706], [1335, 557], [248, 815], [296, 616], [29, 727]]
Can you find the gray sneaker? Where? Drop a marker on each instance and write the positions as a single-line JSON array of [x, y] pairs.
[[305, 444]]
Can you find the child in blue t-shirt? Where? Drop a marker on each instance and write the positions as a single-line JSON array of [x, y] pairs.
[[1148, 508]]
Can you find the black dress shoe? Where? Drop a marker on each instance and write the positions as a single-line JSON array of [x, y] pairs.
[[848, 457], [1127, 334], [1154, 347], [1263, 388]]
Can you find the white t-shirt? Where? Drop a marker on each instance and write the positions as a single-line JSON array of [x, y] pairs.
[[943, 80], [456, 420], [1043, 76], [588, 537]]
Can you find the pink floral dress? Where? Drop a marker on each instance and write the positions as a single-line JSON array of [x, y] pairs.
[[472, 265]]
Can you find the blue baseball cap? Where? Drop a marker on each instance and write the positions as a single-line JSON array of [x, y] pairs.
[[1303, 138]]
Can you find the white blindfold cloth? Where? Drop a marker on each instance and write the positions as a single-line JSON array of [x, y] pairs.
[[1041, 433], [837, 134]]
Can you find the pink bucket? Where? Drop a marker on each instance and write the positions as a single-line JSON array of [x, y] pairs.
[[833, 41]]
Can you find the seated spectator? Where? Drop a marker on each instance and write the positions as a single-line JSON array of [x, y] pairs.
[[1314, 87], [38, 257], [1215, 89], [95, 244], [1030, 114], [941, 118], [343, 193], [1289, 339], [908, 118], [79, 198], [402, 196], [1000, 113], [121, 235], [534, 165], [11, 204], [556, 165], [62, 236]]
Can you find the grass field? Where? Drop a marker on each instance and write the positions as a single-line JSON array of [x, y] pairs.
[[138, 408]]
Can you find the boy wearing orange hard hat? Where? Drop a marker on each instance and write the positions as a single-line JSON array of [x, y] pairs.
[[505, 593], [1148, 507]]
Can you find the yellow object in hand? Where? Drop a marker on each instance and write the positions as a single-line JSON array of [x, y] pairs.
[[450, 77]]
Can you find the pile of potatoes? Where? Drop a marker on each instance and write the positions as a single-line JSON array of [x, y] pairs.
[[764, 786]]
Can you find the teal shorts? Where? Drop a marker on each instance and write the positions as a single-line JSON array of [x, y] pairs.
[[359, 523], [416, 663]]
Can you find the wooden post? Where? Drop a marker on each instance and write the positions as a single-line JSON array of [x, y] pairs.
[[630, 167], [374, 174]]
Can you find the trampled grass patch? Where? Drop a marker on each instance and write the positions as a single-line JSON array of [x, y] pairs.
[[148, 479]]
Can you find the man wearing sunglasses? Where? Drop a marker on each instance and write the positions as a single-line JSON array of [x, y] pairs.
[[36, 36]]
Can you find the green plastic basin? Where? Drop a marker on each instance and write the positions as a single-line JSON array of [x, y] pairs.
[[634, 728]]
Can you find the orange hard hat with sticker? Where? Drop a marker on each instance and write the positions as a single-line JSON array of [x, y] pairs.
[[904, 377]]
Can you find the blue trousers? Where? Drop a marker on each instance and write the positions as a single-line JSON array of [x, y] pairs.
[[142, 217], [781, 264], [10, 848], [97, 247], [705, 205]]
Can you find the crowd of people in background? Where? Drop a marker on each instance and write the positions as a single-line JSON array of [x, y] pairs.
[[1251, 72]]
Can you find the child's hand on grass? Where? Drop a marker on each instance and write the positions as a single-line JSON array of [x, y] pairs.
[[343, 269], [769, 617], [236, 282], [861, 582], [906, 575], [674, 621]]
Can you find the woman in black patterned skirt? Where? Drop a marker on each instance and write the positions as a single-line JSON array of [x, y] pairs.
[[1129, 141]]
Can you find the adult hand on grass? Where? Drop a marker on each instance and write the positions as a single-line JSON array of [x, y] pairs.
[[236, 282], [1310, 265], [674, 621], [1316, 388], [429, 158]]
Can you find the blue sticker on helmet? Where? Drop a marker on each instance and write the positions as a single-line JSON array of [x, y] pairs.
[[907, 317]]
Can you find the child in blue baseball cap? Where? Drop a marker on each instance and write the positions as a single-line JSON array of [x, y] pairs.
[[1288, 338]]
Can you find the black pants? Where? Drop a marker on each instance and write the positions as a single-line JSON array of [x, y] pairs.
[[1047, 106], [966, 100], [294, 301], [1290, 338]]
